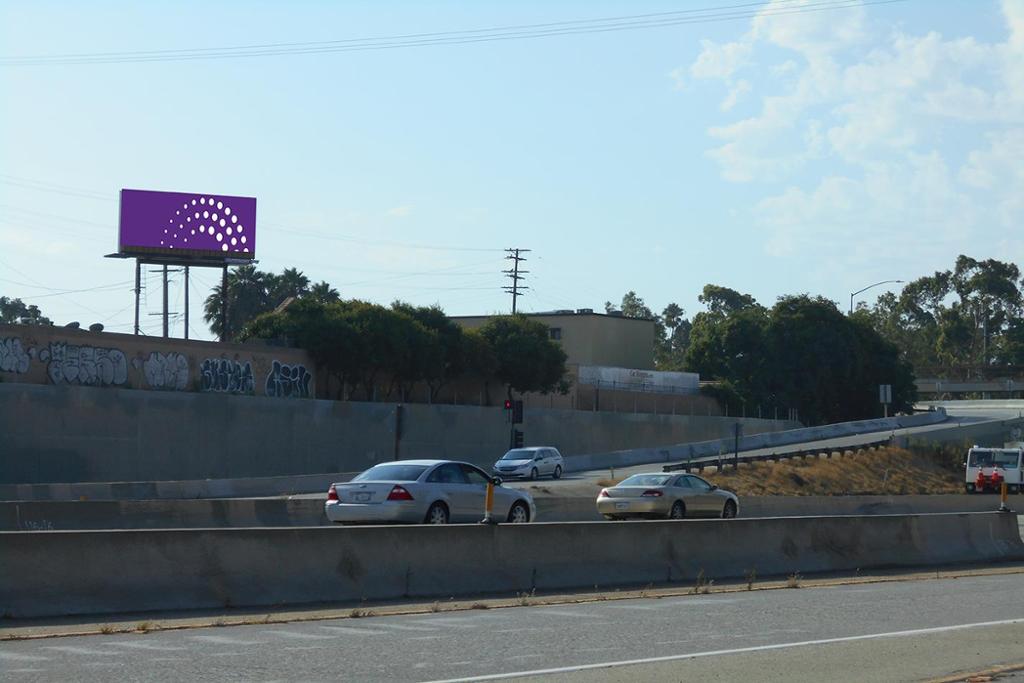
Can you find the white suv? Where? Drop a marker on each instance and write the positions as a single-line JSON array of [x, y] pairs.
[[530, 463]]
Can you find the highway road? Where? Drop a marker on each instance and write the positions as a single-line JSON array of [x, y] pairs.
[[892, 631]]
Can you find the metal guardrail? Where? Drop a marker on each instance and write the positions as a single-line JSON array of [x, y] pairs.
[[726, 459]]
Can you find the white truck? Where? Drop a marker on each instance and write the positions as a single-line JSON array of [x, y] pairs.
[[987, 469]]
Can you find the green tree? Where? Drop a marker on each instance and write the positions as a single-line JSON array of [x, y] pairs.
[[803, 353], [15, 311], [527, 360], [671, 329], [443, 356]]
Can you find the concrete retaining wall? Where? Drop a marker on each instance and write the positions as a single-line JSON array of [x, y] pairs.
[[78, 572], [56, 434]]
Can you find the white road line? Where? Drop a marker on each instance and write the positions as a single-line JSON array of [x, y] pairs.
[[149, 646], [717, 653], [355, 631], [294, 635], [87, 651], [225, 640], [403, 627], [15, 657]]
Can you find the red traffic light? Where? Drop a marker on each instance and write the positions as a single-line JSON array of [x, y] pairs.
[[508, 404]]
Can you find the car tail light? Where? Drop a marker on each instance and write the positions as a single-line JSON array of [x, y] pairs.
[[604, 494], [332, 493], [652, 493], [399, 493]]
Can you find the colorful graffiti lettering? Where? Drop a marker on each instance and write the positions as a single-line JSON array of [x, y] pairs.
[[88, 365], [288, 381], [222, 375], [13, 356]]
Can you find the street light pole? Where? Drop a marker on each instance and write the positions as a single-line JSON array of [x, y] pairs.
[[883, 282]]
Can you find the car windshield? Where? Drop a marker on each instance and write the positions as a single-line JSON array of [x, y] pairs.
[[646, 480], [993, 458], [518, 454], [392, 472]]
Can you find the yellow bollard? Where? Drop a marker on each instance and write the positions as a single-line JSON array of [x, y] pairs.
[[1002, 498], [488, 504]]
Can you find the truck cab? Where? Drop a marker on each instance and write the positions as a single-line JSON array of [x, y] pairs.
[[987, 468]]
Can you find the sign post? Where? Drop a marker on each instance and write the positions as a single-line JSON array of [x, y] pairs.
[[885, 396]]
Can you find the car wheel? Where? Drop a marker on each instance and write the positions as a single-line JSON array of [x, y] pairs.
[[533, 474], [437, 514], [969, 488], [557, 474], [678, 510], [729, 511], [519, 514]]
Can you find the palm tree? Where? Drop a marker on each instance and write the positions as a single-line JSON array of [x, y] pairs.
[[323, 293], [247, 298]]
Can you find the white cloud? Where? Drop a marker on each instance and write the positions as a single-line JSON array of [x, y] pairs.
[[720, 61], [398, 212], [741, 88], [895, 118]]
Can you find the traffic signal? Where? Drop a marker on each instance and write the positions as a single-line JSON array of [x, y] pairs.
[[508, 404], [517, 412], [517, 439]]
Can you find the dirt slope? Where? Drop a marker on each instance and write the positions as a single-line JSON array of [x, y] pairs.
[[891, 471]]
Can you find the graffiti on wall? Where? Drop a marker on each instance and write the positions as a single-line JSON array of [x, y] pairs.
[[87, 365], [223, 375], [288, 381], [165, 371], [13, 356]]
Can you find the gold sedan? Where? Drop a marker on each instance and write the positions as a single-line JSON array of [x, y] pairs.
[[671, 496]]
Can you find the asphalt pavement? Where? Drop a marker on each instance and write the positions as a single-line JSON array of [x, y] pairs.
[[894, 631]]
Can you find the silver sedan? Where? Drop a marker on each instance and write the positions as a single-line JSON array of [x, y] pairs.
[[424, 491], [672, 496]]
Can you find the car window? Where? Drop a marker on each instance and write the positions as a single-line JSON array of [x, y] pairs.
[[474, 476], [449, 473], [392, 472], [682, 482], [698, 483]]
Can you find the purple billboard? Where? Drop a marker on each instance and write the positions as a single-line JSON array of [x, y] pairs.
[[186, 223]]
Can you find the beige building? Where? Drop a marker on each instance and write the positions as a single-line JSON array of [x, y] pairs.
[[590, 338]]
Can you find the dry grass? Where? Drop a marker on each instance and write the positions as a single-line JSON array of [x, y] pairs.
[[794, 580], [887, 471]]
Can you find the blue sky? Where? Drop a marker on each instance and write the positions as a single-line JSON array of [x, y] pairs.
[[814, 151]]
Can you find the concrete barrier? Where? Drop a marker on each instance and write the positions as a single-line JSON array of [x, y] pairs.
[[296, 512], [60, 573], [708, 449]]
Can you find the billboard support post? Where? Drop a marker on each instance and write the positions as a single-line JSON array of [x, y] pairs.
[[166, 330], [186, 302], [138, 289], [224, 305]]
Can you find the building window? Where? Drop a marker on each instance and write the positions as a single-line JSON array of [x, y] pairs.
[[555, 333]]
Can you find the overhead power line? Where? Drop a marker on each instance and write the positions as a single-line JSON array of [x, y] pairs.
[[496, 33]]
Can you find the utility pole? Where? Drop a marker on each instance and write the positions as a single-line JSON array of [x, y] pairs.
[[514, 274]]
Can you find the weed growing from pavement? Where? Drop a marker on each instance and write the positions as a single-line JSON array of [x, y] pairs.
[[106, 629], [702, 585], [436, 607], [525, 599], [143, 627], [794, 580], [751, 577], [359, 613], [480, 605]]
